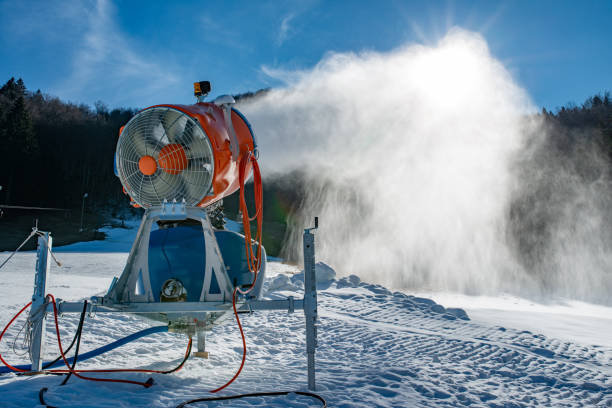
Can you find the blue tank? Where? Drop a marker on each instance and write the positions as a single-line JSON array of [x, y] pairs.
[[180, 253]]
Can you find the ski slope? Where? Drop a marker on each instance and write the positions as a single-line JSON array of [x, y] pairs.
[[377, 348]]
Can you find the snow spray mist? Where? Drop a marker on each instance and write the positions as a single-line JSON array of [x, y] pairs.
[[412, 162]]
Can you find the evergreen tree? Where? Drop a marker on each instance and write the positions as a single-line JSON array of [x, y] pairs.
[[13, 89], [20, 147]]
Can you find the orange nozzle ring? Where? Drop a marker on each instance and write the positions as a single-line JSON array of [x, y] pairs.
[[172, 158], [147, 165]]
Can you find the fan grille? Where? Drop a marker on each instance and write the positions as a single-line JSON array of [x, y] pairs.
[[164, 154]]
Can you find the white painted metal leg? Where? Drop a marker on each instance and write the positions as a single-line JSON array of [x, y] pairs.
[[201, 339], [310, 303], [38, 309]]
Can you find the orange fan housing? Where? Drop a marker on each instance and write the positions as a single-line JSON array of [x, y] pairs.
[[172, 158]]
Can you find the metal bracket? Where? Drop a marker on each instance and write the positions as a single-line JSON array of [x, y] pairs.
[[173, 210]]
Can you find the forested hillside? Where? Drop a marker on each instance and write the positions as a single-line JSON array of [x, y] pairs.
[[54, 152]]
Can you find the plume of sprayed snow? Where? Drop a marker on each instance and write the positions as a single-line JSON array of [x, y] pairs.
[[409, 161], [561, 214]]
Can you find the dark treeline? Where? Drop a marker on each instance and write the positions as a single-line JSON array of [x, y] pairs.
[[565, 179], [53, 152], [590, 123]]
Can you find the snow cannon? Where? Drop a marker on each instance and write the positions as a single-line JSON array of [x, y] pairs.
[[178, 162], [187, 153]]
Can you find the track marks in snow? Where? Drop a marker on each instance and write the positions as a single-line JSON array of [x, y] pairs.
[[453, 362]]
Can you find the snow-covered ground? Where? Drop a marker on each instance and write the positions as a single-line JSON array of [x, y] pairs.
[[567, 320], [377, 348]]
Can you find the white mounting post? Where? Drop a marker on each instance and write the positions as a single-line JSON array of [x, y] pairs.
[[310, 301], [38, 309], [201, 339]]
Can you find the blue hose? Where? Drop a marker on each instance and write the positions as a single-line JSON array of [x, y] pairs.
[[100, 350]]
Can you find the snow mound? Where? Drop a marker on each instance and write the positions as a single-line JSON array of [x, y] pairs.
[[281, 283], [325, 281], [324, 272], [351, 281]]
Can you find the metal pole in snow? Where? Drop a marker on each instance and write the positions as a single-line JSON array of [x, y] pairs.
[[37, 311], [310, 301], [82, 211]]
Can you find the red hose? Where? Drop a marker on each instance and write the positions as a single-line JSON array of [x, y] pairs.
[[4, 331], [253, 260], [76, 372], [244, 350]]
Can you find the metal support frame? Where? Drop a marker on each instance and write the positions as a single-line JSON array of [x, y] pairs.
[[100, 304], [310, 301], [96, 306], [201, 340], [37, 315]]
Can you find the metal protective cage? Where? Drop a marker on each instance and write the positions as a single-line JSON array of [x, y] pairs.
[[183, 164]]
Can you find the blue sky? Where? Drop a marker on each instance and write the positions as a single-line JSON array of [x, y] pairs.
[[138, 53]]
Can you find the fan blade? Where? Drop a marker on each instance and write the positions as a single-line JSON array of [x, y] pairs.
[[197, 179], [142, 145], [184, 191], [165, 186], [176, 188], [199, 150], [174, 123], [158, 137]]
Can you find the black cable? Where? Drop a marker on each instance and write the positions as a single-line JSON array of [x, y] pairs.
[[76, 353], [78, 343], [183, 404], [256, 394], [50, 363], [41, 398], [77, 339], [187, 354]]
